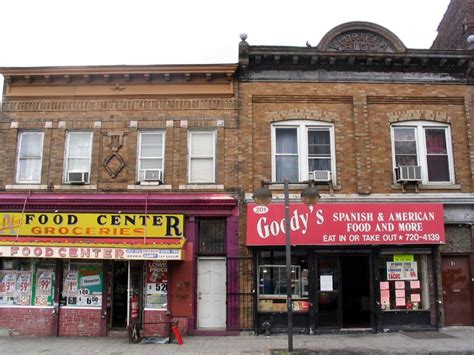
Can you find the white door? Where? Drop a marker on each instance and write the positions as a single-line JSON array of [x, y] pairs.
[[211, 304]]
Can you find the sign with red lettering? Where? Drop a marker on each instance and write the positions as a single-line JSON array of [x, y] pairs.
[[346, 224]]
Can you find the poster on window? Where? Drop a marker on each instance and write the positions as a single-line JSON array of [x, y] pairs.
[[7, 286], [89, 292], [157, 284], [23, 288], [44, 287], [402, 270]]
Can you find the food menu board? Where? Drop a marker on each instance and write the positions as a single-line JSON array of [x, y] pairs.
[[157, 284]]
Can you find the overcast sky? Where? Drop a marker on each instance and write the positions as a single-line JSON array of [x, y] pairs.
[[101, 32]]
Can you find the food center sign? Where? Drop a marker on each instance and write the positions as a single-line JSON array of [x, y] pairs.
[[346, 224], [93, 225]]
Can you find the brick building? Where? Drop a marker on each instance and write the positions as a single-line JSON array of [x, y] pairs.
[[386, 134], [119, 199], [456, 26]]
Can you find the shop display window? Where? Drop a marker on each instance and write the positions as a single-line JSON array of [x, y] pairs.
[[404, 282], [82, 284], [157, 284], [26, 282], [272, 288]]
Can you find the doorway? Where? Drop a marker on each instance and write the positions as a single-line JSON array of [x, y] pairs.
[[211, 304], [119, 294], [456, 290], [343, 293]]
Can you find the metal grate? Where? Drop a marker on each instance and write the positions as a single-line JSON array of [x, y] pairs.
[[240, 298]]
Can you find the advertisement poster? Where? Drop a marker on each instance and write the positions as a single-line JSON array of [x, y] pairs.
[[23, 288], [156, 284], [402, 270], [89, 292], [326, 283], [44, 287]]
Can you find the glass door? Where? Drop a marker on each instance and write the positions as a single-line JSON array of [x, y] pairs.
[[328, 296]]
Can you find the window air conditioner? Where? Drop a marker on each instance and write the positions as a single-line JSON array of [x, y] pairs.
[[151, 175], [320, 175], [408, 173], [77, 177]]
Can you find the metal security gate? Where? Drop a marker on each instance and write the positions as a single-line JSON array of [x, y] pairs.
[[240, 296]]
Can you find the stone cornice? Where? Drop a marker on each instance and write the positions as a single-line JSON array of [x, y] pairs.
[[121, 75]]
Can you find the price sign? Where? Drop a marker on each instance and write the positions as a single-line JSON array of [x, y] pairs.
[[70, 283], [8, 283], [398, 271]]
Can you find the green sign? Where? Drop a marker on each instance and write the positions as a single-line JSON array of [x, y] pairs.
[[404, 257]]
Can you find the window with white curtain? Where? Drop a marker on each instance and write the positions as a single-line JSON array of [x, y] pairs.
[[301, 147], [29, 157], [424, 144], [78, 154], [201, 154], [151, 149]]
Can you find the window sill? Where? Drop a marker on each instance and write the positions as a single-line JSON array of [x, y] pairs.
[[300, 186], [149, 186], [201, 187], [26, 187], [75, 187], [430, 186]]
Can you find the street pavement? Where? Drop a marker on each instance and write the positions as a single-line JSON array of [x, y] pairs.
[[451, 340]]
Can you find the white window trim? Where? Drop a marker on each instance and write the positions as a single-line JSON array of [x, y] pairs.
[[20, 138], [66, 156], [190, 134], [139, 150], [421, 155], [302, 128]]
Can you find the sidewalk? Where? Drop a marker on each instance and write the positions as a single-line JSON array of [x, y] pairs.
[[455, 340]]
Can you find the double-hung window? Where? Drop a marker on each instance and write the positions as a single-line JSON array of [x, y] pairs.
[[427, 145], [300, 148], [78, 157], [202, 156], [29, 157], [151, 149]]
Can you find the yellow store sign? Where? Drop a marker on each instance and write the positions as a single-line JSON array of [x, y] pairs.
[[103, 225]]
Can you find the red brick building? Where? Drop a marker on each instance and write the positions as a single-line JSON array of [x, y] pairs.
[[384, 131]]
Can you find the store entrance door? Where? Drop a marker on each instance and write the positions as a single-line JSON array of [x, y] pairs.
[[119, 294], [456, 290], [343, 293]]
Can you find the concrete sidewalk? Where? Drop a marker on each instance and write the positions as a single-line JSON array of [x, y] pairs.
[[453, 340]]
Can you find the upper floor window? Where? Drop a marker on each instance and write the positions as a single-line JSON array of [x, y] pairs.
[[300, 148], [426, 145], [151, 149], [202, 158], [78, 157], [29, 157]]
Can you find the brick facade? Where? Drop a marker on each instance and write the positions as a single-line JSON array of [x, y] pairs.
[[456, 26]]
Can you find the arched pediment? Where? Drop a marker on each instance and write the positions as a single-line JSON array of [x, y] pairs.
[[361, 37]]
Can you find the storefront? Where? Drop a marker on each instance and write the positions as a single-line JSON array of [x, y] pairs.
[[84, 265], [369, 267]]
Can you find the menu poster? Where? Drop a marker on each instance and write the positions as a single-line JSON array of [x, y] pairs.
[[400, 293], [8, 283], [415, 284], [23, 288], [403, 270], [384, 293], [44, 287], [400, 302], [400, 284], [384, 285], [415, 297]]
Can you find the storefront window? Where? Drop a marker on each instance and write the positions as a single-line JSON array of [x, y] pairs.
[[157, 285], [272, 288], [26, 282], [83, 284], [404, 282]]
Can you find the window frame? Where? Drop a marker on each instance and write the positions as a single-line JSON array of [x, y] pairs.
[[302, 128], [139, 152], [190, 157], [66, 155], [420, 128], [18, 158]]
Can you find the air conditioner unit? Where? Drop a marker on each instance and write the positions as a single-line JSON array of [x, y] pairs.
[[151, 175], [409, 173], [78, 177], [320, 175]]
